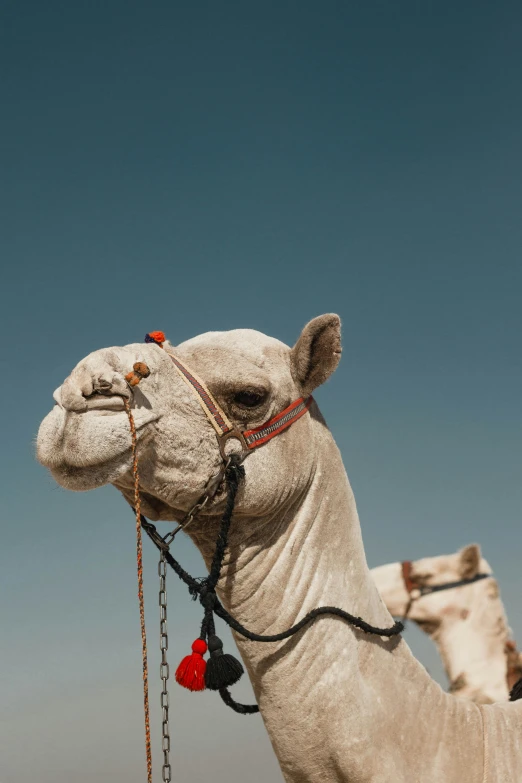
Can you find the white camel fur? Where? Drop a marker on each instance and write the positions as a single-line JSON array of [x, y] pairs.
[[468, 624], [339, 706]]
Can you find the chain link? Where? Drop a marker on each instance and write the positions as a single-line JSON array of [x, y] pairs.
[[164, 668], [208, 493]]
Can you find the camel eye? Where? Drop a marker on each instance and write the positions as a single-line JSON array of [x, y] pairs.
[[249, 398]]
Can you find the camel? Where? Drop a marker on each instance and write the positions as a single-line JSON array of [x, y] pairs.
[[339, 705], [468, 623]]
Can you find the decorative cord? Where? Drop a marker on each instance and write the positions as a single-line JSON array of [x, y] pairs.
[[221, 670], [205, 591], [139, 559]]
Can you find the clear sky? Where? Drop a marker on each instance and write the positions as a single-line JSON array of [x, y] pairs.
[[196, 166]]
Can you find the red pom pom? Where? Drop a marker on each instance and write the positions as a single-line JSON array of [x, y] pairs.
[[191, 671], [199, 646], [158, 337]]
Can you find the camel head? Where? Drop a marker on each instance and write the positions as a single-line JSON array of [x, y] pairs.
[[445, 606], [467, 621], [85, 440]]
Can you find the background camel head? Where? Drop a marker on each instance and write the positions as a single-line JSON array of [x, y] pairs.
[[448, 606], [85, 440]]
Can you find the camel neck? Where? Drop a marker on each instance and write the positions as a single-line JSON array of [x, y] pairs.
[[307, 554], [473, 650], [330, 695]]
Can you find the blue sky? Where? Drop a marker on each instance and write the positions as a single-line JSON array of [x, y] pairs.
[[202, 166]]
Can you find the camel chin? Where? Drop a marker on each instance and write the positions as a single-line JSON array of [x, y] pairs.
[[89, 449], [84, 479]]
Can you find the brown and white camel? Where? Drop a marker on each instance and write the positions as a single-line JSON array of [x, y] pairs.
[[338, 705], [467, 623]]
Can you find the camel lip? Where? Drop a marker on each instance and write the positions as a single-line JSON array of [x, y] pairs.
[[121, 459], [76, 470], [102, 402], [73, 476], [64, 435], [115, 409], [101, 412]]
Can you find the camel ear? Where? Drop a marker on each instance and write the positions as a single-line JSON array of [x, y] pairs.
[[316, 354], [469, 561]]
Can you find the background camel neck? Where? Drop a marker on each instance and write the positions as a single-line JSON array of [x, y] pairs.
[[473, 651]]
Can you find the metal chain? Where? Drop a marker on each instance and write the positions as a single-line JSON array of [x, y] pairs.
[[210, 490], [164, 543], [164, 667]]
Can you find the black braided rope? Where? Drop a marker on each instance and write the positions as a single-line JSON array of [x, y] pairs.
[[194, 585], [233, 475], [205, 590], [516, 691], [357, 622], [242, 709]]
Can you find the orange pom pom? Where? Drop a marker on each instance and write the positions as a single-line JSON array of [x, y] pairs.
[[155, 337], [132, 379], [139, 371], [140, 368]]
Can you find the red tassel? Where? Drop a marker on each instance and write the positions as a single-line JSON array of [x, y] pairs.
[[191, 671]]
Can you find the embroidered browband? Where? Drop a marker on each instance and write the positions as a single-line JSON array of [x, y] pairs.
[[218, 418]]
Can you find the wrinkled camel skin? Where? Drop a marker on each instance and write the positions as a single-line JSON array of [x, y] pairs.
[[338, 705], [467, 624]]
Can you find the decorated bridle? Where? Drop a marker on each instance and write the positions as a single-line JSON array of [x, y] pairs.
[[221, 670], [415, 590], [250, 439]]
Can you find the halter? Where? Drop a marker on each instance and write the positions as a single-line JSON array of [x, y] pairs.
[[416, 591], [250, 439], [225, 431], [221, 670]]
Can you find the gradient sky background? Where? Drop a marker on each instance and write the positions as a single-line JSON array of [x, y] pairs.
[[196, 166]]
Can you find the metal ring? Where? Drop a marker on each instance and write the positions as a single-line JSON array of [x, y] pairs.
[[238, 435]]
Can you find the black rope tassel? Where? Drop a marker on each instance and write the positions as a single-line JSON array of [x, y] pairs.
[[516, 691], [223, 670]]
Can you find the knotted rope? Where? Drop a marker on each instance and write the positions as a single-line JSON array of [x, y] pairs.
[[204, 590]]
